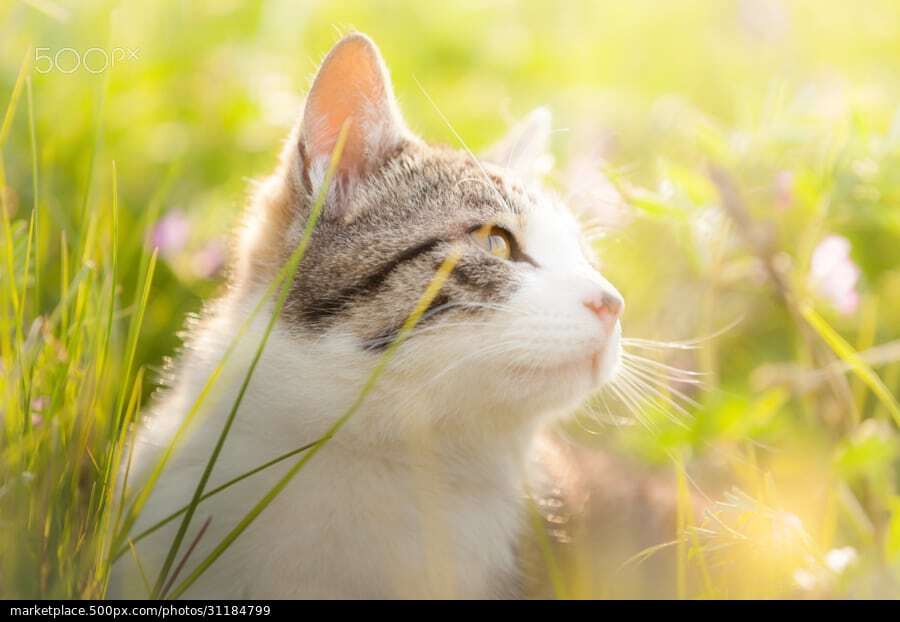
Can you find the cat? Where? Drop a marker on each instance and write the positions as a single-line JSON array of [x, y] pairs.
[[423, 492]]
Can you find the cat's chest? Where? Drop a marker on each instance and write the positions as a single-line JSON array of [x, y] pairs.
[[353, 527], [422, 533]]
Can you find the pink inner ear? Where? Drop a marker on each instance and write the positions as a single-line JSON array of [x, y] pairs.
[[352, 84]]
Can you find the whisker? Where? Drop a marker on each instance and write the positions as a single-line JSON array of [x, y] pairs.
[[648, 344], [619, 392], [605, 415], [502, 347], [638, 385], [617, 419], [594, 416], [649, 378], [462, 143], [657, 364], [690, 344], [642, 389], [661, 375]]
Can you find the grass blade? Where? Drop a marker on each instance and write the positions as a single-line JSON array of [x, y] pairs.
[[142, 297], [168, 519], [34, 192], [186, 557], [24, 70], [144, 494], [852, 359], [293, 264]]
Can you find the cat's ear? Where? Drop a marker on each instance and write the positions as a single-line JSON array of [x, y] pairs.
[[526, 146], [352, 87]]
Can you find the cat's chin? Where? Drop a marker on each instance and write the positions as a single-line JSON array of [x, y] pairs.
[[560, 388], [592, 369]]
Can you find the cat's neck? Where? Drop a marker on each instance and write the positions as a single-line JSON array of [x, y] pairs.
[[461, 457]]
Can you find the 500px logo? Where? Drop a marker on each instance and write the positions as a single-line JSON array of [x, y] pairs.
[[92, 60]]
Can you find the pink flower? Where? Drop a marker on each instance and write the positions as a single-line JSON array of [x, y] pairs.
[[209, 260], [833, 275], [38, 405], [171, 233], [767, 20], [784, 190]]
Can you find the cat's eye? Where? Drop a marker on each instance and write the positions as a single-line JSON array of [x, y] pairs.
[[495, 240]]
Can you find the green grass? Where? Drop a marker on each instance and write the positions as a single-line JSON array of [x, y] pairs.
[[740, 138]]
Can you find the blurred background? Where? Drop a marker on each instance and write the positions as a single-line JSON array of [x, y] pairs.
[[738, 159]]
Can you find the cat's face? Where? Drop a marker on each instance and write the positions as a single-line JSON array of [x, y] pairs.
[[524, 322]]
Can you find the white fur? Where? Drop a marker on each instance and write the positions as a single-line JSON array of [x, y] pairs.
[[422, 493]]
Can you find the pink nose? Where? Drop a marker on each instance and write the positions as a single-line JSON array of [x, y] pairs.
[[606, 306]]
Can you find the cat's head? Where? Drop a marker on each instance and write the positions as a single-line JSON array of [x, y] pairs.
[[524, 323]]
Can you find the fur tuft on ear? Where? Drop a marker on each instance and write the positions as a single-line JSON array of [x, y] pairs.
[[353, 86], [526, 147]]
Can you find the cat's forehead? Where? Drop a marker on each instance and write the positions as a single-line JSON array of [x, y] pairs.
[[449, 186]]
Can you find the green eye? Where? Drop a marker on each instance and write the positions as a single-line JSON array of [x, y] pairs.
[[496, 241]]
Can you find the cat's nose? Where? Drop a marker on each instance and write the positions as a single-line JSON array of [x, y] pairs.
[[607, 306]]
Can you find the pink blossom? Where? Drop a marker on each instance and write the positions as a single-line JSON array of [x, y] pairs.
[[171, 233], [767, 20], [784, 190], [833, 275], [38, 405], [210, 259]]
